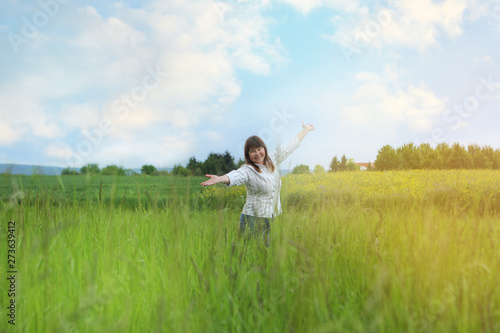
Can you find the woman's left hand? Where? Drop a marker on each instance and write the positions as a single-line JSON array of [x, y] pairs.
[[307, 127]]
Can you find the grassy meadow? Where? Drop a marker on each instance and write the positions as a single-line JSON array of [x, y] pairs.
[[406, 251]]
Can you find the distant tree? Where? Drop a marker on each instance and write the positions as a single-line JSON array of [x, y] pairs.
[[481, 161], [343, 163], [214, 164], [352, 166], [219, 164], [179, 170], [194, 167], [130, 172], [408, 157], [113, 170], [459, 158], [147, 169], [386, 159], [496, 159], [334, 165], [91, 168], [228, 162], [301, 169], [428, 157], [319, 169], [443, 156], [69, 172], [473, 149], [161, 173], [480, 157], [369, 166], [490, 155], [240, 162]]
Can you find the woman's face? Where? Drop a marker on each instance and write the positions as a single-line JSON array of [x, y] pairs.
[[257, 155]]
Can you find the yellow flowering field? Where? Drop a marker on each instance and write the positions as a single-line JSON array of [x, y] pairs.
[[465, 188]]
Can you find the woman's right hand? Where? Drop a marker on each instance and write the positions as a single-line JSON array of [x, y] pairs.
[[213, 180]]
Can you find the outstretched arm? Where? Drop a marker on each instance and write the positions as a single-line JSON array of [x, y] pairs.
[[306, 128], [215, 179], [282, 152]]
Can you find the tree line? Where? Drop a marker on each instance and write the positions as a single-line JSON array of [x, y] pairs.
[[215, 164], [111, 170], [407, 157], [344, 164], [410, 156]]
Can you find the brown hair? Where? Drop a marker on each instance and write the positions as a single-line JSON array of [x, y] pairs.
[[256, 142]]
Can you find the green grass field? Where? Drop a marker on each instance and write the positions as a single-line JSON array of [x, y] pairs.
[[154, 254], [131, 192]]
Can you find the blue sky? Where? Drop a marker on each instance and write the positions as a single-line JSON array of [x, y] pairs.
[[136, 82]]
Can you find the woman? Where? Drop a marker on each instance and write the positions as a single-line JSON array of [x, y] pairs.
[[262, 180]]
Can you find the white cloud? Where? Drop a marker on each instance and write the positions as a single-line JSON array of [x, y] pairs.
[[8, 135], [159, 149], [485, 59], [25, 116], [82, 116], [176, 148], [459, 125], [212, 136], [485, 8], [306, 6], [381, 104], [87, 63], [58, 150], [414, 24]]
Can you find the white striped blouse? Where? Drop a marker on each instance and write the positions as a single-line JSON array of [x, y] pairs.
[[263, 189]]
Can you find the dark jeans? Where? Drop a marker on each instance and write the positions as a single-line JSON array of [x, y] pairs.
[[255, 226]]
